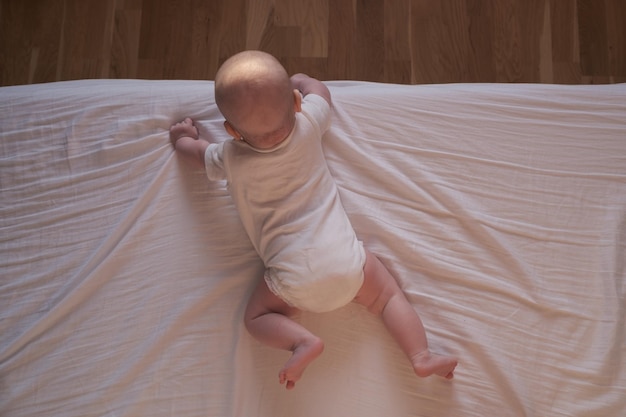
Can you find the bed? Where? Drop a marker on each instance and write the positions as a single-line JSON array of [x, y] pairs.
[[500, 208]]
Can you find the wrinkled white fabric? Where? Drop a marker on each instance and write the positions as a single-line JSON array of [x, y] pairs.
[[124, 273]]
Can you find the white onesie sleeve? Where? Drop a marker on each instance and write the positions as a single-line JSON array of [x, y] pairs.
[[214, 161]]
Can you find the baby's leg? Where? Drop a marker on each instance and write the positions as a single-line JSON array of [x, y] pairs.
[[267, 318], [381, 294]]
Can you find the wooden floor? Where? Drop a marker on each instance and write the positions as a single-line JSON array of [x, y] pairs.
[[399, 41]]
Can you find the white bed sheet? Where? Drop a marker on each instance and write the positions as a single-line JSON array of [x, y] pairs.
[[501, 209]]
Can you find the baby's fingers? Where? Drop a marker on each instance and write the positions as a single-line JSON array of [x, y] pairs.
[[184, 128]]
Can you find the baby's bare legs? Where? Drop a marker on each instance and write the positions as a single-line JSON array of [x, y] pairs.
[[267, 318], [381, 294]]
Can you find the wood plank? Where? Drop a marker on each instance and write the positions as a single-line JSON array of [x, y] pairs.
[[203, 55], [370, 49], [531, 18], [480, 34], [342, 40], [232, 29], [565, 45], [16, 49], [463, 60], [312, 18], [125, 39], [507, 38], [446, 44], [616, 37], [546, 63], [282, 41], [397, 41], [425, 51], [260, 15], [29, 56], [315, 67], [85, 45], [593, 38]]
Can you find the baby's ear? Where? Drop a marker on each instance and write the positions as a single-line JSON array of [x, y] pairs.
[[297, 100], [232, 131]]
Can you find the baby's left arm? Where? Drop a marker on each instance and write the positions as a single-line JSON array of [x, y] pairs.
[[185, 139]]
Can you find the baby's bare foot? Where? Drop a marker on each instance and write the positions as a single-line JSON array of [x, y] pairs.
[[302, 356], [426, 364]]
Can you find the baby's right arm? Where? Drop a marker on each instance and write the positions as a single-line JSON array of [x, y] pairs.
[[308, 85], [185, 138]]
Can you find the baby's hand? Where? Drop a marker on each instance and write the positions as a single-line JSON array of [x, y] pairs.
[[186, 140], [183, 129]]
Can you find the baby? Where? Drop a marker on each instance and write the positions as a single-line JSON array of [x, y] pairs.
[[290, 208]]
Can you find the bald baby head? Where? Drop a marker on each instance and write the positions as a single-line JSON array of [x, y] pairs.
[[255, 95]]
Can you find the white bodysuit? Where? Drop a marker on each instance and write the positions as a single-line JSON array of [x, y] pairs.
[[290, 208]]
